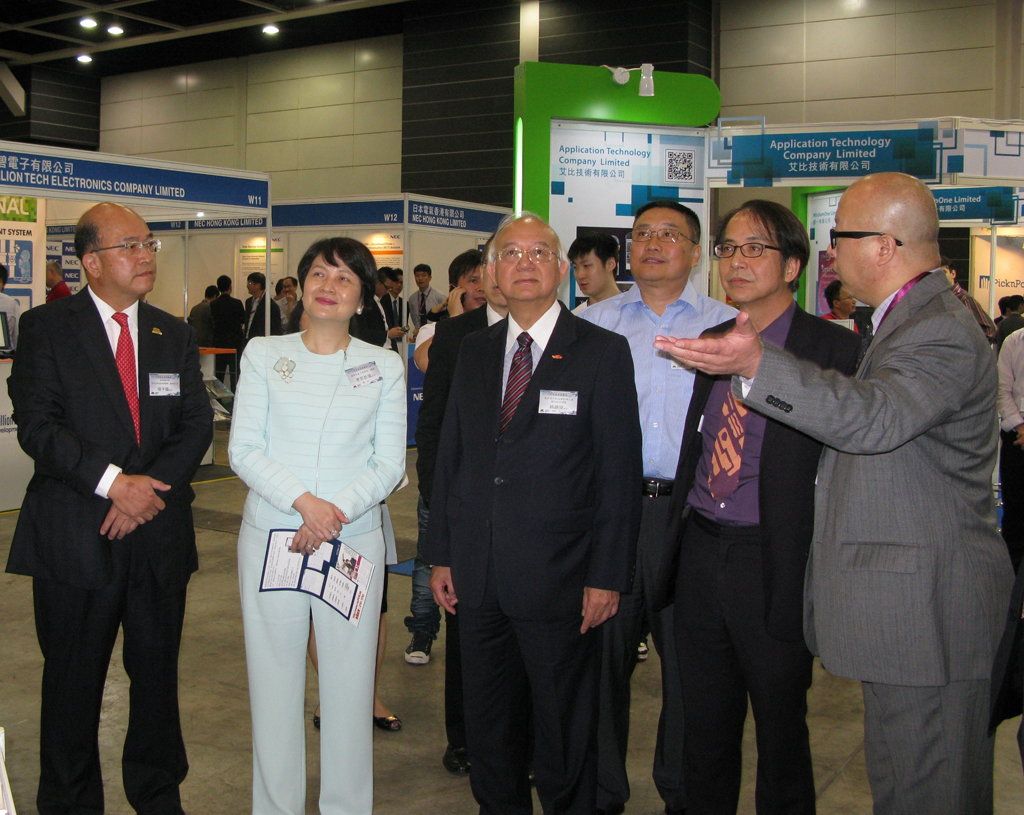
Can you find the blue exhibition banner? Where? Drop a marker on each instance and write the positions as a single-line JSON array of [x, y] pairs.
[[452, 216], [59, 173], [976, 204], [339, 212], [758, 159], [415, 396]]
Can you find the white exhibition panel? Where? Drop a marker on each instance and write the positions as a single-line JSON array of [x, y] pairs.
[[72, 180]]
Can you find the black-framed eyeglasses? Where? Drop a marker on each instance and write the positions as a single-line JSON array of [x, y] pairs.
[[836, 234], [748, 250], [150, 245], [663, 235]]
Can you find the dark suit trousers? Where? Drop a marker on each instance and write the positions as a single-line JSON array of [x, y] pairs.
[[76, 630], [454, 709], [725, 656], [507, 665], [1011, 476], [621, 635]]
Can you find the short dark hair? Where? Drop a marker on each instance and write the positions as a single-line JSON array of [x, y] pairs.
[[257, 277], [462, 264], [600, 243], [3, 274], [832, 292], [682, 209], [422, 267], [224, 283], [391, 273], [211, 291], [783, 227], [1015, 301], [280, 284], [87, 236], [348, 251], [1004, 305]]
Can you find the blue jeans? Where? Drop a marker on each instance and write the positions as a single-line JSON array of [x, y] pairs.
[[425, 617]]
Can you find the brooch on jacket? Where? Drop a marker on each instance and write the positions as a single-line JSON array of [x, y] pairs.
[[285, 367]]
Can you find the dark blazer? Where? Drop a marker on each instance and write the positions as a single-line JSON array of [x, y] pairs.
[[228, 321], [789, 462], [256, 328], [370, 326], [552, 505], [393, 320], [73, 420], [442, 355]]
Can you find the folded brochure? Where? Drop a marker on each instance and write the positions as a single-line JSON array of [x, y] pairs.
[[335, 573]]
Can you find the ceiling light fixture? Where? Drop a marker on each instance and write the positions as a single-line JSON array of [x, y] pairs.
[[620, 76], [270, 29], [84, 59], [200, 214], [88, 22], [115, 30]]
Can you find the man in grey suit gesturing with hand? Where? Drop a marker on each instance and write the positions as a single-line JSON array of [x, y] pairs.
[[907, 578]]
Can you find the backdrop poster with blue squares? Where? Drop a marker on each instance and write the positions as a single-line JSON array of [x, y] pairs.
[[601, 174]]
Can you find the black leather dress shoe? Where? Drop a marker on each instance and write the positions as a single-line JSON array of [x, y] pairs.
[[611, 809], [455, 760]]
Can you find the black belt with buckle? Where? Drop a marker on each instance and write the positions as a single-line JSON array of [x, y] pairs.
[[654, 487]]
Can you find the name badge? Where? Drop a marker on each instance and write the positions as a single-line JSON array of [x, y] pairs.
[[560, 402], [164, 385], [365, 374]]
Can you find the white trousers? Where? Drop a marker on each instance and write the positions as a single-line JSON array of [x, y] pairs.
[[276, 627]]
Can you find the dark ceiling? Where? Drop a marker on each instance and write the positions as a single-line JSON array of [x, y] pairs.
[[160, 33]]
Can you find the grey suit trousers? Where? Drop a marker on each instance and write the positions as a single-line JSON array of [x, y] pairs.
[[928, 749]]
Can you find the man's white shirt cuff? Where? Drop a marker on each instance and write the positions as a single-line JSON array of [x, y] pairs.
[[112, 472]]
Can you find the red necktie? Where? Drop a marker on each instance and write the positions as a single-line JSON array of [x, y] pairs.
[[518, 379], [125, 359]]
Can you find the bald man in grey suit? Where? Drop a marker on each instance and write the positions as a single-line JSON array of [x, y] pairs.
[[907, 579]]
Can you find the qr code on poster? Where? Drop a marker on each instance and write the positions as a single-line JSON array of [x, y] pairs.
[[679, 165]]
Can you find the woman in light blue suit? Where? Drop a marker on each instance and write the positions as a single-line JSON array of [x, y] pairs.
[[318, 435]]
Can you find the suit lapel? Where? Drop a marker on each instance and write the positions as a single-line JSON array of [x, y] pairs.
[[494, 360], [92, 336], [924, 291], [150, 356], [557, 354]]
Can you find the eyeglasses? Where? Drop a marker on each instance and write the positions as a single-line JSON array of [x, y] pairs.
[[835, 234], [748, 250], [663, 235], [150, 245], [538, 254]]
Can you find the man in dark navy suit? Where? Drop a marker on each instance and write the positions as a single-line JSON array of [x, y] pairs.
[[533, 524], [110, 404]]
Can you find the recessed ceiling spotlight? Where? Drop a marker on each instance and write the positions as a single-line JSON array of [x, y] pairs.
[[200, 214], [115, 30], [88, 22], [84, 58], [270, 29]]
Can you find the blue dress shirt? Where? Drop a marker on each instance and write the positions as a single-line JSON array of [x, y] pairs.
[[663, 386]]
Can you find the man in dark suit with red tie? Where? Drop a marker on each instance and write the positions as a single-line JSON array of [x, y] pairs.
[[116, 430], [533, 524]]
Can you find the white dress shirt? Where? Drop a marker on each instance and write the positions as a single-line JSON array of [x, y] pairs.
[[113, 334], [540, 333], [1010, 393]]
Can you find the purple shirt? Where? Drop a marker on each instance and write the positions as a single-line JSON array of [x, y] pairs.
[[742, 508]]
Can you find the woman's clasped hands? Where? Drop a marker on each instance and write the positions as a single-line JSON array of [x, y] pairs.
[[321, 521]]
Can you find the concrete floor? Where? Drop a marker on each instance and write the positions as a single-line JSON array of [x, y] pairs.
[[408, 772]]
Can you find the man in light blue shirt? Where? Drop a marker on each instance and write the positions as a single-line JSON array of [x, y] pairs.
[[666, 246]]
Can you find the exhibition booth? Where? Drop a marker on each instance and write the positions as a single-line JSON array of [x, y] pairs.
[[590, 150], [36, 180]]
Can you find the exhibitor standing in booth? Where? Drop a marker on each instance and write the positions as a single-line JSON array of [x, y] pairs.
[[318, 435], [110, 405]]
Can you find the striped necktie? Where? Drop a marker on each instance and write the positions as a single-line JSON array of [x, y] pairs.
[[518, 380]]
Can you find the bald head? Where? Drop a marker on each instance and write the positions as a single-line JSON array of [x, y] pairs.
[[900, 205], [901, 224]]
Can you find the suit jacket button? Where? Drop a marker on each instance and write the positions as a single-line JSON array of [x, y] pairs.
[[499, 481]]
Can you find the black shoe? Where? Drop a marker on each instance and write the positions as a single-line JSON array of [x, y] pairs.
[[455, 760], [612, 809], [418, 652], [316, 718]]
